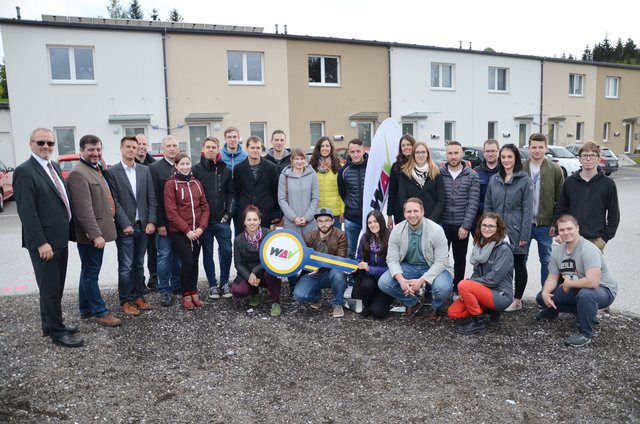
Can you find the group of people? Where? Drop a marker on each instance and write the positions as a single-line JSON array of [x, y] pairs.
[[172, 209]]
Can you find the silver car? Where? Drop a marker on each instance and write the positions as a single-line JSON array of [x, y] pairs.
[[608, 160]]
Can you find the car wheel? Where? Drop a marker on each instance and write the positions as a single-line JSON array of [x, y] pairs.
[[564, 172], [1, 201]]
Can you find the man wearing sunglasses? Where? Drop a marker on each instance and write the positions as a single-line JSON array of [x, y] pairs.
[[44, 209]]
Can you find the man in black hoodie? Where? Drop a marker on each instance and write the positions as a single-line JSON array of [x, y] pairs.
[[217, 181], [592, 198]]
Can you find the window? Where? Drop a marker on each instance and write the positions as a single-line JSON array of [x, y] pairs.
[[365, 132], [575, 84], [605, 131], [259, 129], [66, 140], [551, 137], [71, 64], [441, 75], [498, 79], [579, 131], [449, 131], [492, 130], [324, 70], [133, 130], [611, 87], [316, 130], [196, 134], [245, 67], [407, 128]]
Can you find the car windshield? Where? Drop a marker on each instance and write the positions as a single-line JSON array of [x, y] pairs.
[[606, 153], [561, 152], [438, 155]]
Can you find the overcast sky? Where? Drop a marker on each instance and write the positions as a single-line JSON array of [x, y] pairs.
[[540, 28]]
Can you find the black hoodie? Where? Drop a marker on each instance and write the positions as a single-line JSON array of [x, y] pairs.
[[218, 187]]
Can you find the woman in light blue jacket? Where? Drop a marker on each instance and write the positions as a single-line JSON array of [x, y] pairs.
[[298, 194], [510, 195]]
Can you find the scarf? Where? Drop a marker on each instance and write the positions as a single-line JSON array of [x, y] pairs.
[[324, 165], [255, 239], [420, 174], [480, 255], [180, 176]]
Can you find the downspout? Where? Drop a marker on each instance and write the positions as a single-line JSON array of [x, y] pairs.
[[389, 78], [166, 84], [541, 93]]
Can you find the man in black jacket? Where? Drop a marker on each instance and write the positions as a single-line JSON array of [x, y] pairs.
[[592, 198], [256, 183], [217, 181], [168, 259]]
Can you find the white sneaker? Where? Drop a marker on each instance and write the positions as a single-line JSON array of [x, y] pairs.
[[338, 311], [214, 293], [516, 305]]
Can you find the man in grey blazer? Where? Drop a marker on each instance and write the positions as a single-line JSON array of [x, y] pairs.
[[136, 205]]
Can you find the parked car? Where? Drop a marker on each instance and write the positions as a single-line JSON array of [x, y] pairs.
[[567, 160], [439, 156], [343, 152], [473, 154], [67, 162], [608, 160], [6, 184]]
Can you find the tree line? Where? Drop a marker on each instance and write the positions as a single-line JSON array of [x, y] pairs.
[[134, 11], [623, 52]]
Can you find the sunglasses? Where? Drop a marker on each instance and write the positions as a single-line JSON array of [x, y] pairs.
[[48, 143]]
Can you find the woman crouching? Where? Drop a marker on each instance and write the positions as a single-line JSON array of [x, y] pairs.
[[490, 286]]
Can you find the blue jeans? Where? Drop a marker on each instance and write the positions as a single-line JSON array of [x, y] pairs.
[[541, 235], [584, 303], [222, 233], [337, 223], [89, 297], [308, 286], [131, 251], [352, 229], [441, 287], [168, 266]]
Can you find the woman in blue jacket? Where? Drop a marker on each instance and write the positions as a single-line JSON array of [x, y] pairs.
[[372, 263]]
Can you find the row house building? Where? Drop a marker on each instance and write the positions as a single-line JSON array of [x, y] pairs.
[[118, 77]]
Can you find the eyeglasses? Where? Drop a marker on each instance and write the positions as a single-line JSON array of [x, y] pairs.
[[48, 143], [489, 226], [422, 153], [324, 221], [588, 156]]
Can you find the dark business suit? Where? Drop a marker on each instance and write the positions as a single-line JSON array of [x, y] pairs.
[[45, 219], [132, 247]]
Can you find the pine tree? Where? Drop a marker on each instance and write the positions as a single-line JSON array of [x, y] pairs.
[[630, 53], [154, 14], [174, 16], [115, 9], [135, 10], [4, 89], [618, 52]]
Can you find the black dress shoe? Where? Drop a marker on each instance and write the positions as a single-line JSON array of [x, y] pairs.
[[71, 329], [69, 340]]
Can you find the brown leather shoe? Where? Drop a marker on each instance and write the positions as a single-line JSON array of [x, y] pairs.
[[412, 311], [130, 309], [437, 315], [142, 304], [108, 320]]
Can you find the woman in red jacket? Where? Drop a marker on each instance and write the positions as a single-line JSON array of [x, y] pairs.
[[188, 215]]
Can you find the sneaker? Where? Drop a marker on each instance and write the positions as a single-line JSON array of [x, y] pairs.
[[226, 291], [214, 292], [197, 302], [577, 340], [316, 304], [476, 325], [254, 300], [166, 299], [187, 303], [516, 305], [338, 311], [276, 310], [547, 314]]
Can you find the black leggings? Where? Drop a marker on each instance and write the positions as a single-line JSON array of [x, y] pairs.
[[189, 252], [378, 302], [521, 275]]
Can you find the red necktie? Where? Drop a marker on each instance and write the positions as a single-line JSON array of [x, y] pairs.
[[58, 184]]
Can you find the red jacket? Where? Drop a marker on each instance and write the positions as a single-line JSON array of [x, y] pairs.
[[185, 205]]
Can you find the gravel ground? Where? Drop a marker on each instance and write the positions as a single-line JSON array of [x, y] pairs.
[[227, 364]]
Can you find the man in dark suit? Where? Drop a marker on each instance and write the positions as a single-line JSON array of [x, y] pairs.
[[44, 209], [93, 215], [135, 201]]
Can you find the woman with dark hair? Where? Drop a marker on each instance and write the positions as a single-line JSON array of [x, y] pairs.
[[246, 258], [420, 178], [394, 207], [510, 195], [187, 212], [372, 263], [490, 286], [326, 163], [298, 194]]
